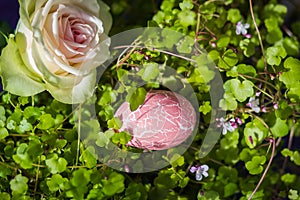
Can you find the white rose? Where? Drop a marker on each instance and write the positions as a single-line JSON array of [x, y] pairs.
[[57, 46]]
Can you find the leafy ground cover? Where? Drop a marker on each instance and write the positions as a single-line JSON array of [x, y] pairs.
[[44, 155]]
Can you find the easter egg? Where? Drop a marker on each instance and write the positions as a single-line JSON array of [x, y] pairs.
[[164, 120]]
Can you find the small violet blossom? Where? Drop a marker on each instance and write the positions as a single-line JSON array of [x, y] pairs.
[[230, 125], [242, 29], [200, 171], [254, 104]]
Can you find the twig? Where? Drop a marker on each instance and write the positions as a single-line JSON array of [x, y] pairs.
[[258, 33], [273, 143]]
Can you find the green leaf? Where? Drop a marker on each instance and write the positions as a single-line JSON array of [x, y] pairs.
[[114, 184], [291, 78], [2, 114], [22, 157], [81, 177], [56, 164], [228, 103], [288, 178], [248, 47], [185, 45], [24, 126], [46, 122], [223, 41], [205, 108], [3, 133], [293, 195], [114, 123], [150, 71], [137, 98], [234, 15], [89, 157], [230, 189], [255, 165], [284, 110], [228, 59], [275, 54], [280, 128], [18, 185], [187, 18], [121, 138], [56, 182], [186, 5], [208, 195], [254, 133], [240, 90]]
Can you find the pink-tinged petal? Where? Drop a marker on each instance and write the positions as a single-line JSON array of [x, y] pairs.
[[193, 169]]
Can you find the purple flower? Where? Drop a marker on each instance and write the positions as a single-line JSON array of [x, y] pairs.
[[230, 125], [242, 29], [254, 104], [275, 106], [239, 121], [200, 171]]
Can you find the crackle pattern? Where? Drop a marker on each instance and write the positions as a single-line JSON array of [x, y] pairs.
[[165, 120]]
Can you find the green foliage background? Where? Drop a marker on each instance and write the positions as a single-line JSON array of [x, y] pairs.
[[42, 157]]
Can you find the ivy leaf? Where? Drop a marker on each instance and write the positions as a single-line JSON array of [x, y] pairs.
[[114, 184], [46, 122], [22, 157], [121, 138], [288, 178], [228, 102], [223, 41], [81, 177], [284, 110], [234, 15], [114, 123], [291, 78], [56, 182], [208, 195], [293, 195], [254, 133], [230, 189], [275, 54], [255, 165], [18, 185], [56, 164], [240, 90], [248, 47], [150, 71], [89, 157], [228, 59], [3, 133], [186, 5], [2, 114], [187, 18], [280, 128], [205, 108], [137, 98]]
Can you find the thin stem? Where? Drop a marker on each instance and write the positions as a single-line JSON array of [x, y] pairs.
[[272, 142], [37, 177], [79, 134], [154, 49], [258, 79], [258, 33], [290, 142]]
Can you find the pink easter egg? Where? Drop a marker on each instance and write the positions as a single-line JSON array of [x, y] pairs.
[[164, 120]]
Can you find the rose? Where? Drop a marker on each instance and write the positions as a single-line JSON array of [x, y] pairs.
[[56, 47]]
